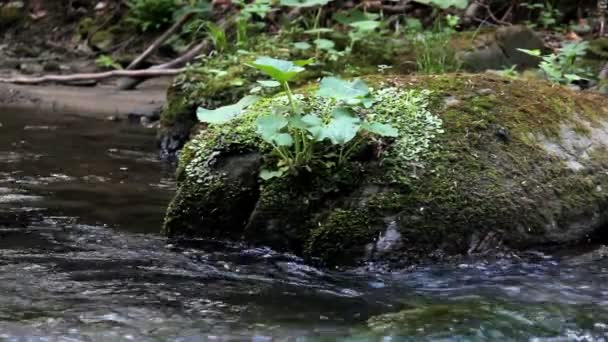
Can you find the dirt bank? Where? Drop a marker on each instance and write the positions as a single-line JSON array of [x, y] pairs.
[[100, 101]]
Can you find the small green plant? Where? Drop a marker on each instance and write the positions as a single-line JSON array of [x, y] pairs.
[[152, 14], [299, 138], [217, 36], [107, 62], [564, 66], [434, 55], [508, 72], [548, 15]]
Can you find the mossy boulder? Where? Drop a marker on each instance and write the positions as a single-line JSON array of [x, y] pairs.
[[481, 161], [11, 12]]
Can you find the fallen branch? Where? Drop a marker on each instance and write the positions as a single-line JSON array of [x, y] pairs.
[[159, 41], [93, 76], [131, 83]]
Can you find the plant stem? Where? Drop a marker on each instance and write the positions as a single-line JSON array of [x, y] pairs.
[[351, 148], [317, 19], [292, 102]]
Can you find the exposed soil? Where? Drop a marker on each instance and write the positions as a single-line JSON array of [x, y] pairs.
[[56, 44], [100, 101]]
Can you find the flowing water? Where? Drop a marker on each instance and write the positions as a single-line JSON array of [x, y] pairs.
[[81, 205]]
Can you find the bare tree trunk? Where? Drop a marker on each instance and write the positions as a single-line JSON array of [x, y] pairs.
[[92, 76]]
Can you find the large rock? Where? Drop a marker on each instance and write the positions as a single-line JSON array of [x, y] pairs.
[[499, 50], [481, 161]]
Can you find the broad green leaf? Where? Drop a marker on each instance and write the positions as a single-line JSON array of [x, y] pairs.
[[278, 69], [444, 4], [267, 174], [365, 25], [535, 52], [350, 92], [324, 44], [302, 45], [312, 120], [295, 121], [572, 77], [304, 3], [343, 127], [304, 122], [269, 83], [304, 62], [380, 129], [226, 113], [269, 128], [283, 139]]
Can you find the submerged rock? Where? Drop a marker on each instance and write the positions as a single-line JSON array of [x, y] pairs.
[[521, 165]]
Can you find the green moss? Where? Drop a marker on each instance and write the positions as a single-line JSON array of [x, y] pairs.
[[338, 238], [598, 48]]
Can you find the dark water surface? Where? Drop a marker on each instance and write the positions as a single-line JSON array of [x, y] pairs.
[[81, 204]]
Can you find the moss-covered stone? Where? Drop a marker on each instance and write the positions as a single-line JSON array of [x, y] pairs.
[[480, 159], [11, 12]]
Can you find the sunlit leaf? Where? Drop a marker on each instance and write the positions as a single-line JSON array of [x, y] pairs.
[[444, 4], [302, 45], [365, 25], [270, 129], [535, 52], [380, 129], [225, 113], [312, 120], [267, 174], [278, 69], [304, 3], [324, 44], [351, 92], [319, 30], [342, 128], [269, 83]]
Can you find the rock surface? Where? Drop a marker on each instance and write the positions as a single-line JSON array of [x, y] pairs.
[[512, 162], [11, 12], [500, 50]]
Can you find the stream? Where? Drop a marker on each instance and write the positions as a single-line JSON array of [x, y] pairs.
[[81, 259]]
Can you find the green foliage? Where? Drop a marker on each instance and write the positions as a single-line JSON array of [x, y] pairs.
[[352, 93], [508, 72], [152, 14], [445, 4], [548, 14], [299, 139], [304, 3], [218, 36], [280, 70], [107, 62], [225, 113], [434, 54], [564, 66]]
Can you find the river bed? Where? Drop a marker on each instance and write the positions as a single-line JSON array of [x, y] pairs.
[[81, 259]]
